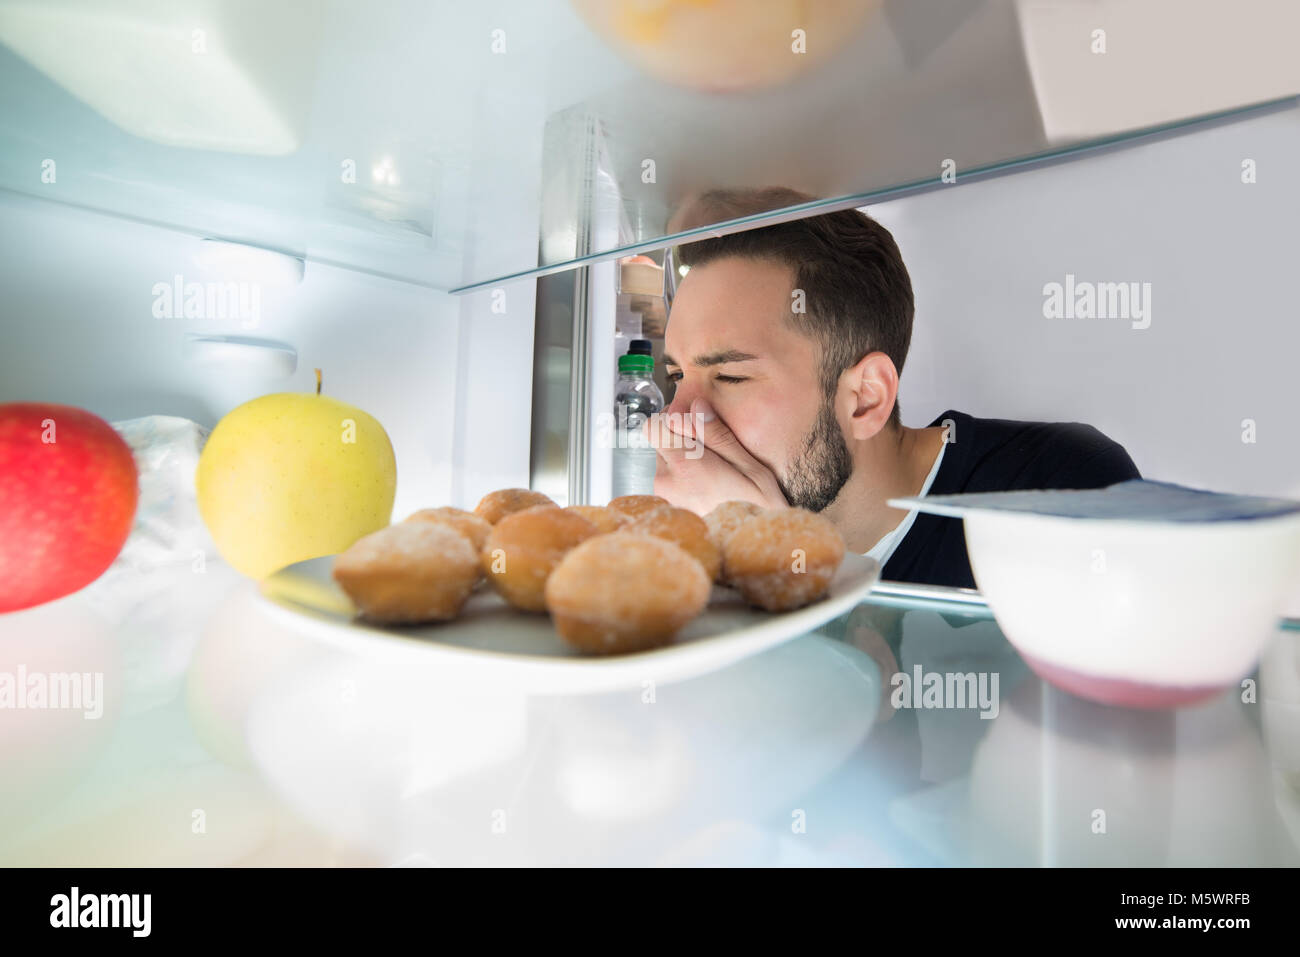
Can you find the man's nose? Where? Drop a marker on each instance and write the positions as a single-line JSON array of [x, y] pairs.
[[681, 403]]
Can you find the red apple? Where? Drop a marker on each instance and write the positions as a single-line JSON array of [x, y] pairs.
[[68, 490]]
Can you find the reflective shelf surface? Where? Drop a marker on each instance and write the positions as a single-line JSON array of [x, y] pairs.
[[223, 737]]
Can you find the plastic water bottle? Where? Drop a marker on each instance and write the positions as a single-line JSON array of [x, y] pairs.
[[636, 398]]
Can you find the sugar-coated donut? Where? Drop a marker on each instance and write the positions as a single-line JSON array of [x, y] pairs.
[[409, 572], [727, 517], [605, 519], [625, 591], [635, 505], [525, 546], [685, 529], [783, 558], [472, 526], [495, 506], [723, 520]]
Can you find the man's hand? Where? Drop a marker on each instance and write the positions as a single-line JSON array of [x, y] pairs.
[[702, 463]]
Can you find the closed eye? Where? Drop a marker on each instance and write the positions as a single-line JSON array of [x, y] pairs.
[[677, 377]]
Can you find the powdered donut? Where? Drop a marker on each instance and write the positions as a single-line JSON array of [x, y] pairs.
[[685, 529], [409, 572], [605, 519], [635, 505], [473, 527], [495, 506], [723, 520], [525, 546], [783, 558], [625, 591]]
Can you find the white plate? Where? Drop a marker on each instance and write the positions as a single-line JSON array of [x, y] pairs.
[[491, 641]]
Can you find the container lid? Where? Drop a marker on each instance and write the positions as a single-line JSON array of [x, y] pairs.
[[635, 363], [1138, 500], [640, 347]]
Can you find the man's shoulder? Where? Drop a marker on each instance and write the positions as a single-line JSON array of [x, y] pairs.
[[1004, 454]]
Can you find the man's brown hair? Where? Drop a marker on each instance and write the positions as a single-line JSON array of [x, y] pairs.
[[857, 292]]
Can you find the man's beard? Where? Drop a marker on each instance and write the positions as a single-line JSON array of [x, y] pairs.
[[822, 467]]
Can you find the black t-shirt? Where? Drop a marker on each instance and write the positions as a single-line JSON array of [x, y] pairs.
[[995, 455]]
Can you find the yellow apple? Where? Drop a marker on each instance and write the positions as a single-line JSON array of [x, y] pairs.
[[292, 476]]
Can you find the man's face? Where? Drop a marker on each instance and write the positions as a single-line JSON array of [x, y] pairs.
[[730, 341]]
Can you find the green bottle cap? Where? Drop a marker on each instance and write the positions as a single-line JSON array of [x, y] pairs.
[[636, 364]]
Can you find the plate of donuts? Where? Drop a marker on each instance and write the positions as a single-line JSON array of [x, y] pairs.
[[525, 594]]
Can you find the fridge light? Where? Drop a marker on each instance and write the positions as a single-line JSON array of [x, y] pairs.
[[250, 263], [246, 355]]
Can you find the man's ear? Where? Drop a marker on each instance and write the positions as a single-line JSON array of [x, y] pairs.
[[869, 388]]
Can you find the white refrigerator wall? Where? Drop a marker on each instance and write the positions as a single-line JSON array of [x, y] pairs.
[[1221, 257], [494, 392], [79, 327]]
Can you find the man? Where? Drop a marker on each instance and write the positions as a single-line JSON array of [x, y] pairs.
[[786, 344]]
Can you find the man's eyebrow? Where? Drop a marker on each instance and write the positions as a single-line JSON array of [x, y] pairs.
[[714, 358]]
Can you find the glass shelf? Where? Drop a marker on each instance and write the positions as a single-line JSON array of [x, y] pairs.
[[205, 694], [461, 145]]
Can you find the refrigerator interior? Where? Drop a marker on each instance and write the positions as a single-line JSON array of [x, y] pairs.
[[430, 202]]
